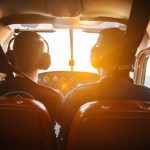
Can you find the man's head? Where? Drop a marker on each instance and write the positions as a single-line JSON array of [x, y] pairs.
[[28, 49], [105, 53]]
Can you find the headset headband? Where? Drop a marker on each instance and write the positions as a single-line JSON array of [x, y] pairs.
[[9, 44], [44, 62]]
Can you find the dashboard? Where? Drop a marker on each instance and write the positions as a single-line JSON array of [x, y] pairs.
[[66, 80]]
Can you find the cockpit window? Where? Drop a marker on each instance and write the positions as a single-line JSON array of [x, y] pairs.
[[84, 39], [59, 49], [59, 43], [83, 42], [147, 75]]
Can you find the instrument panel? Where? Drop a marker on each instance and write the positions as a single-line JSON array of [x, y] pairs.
[[66, 80]]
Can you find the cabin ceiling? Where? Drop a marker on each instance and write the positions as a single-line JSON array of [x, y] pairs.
[[62, 11], [48, 10]]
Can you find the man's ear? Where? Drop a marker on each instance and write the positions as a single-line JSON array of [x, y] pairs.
[[96, 58]]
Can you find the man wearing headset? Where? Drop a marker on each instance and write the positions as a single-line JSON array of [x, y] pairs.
[[113, 83], [28, 57]]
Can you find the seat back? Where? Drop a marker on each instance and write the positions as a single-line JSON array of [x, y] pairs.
[[25, 125], [111, 124]]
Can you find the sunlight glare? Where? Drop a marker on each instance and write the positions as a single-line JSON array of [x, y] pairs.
[[83, 42], [59, 44]]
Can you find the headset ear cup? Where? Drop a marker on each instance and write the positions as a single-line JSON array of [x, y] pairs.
[[45, 61], [10, 56], [94, 58]]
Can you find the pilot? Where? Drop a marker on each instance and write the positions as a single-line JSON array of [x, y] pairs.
[[114, 82], [28, 57]]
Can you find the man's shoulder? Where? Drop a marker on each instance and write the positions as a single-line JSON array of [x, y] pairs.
[[85, 87], [22, 84], [142, 89], [82, 90], [50, 91]]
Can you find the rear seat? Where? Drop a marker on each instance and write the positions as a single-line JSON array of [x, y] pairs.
[[25, 125], [111, 125]]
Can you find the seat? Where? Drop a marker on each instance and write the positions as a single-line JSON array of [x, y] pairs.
[[111, 125], [25, 125]]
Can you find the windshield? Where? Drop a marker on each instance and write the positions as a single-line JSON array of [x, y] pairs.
[[60, 47], [59, 44]]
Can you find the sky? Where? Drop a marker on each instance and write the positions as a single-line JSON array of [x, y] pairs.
[[148, 67], [59, 45]]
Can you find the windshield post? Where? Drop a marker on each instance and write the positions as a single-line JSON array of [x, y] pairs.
[[71, 61]]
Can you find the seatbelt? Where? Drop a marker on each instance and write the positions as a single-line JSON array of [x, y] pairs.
[[4, 65], [8, 68], [138, 20]]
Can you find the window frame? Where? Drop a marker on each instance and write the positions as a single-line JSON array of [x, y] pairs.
[[140, 66]]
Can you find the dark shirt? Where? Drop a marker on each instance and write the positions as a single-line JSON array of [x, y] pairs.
[[112, 87], [51, 98]]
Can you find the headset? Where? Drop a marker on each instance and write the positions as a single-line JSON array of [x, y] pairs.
[[45, 59], [95, 59], [98, 55]]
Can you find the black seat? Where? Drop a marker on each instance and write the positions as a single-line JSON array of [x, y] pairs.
[[111, 125], [25, 125]]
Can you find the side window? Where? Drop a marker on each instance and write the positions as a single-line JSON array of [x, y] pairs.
[[147, 74]]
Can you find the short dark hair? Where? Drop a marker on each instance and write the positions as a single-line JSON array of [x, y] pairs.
[[28, 48]]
